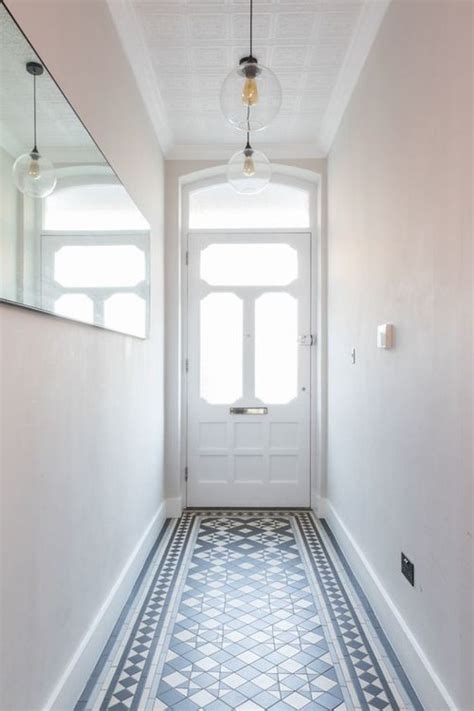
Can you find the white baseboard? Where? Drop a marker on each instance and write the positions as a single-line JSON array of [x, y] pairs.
[[174, 507], [77, 672], [319, 507], [426, 682]]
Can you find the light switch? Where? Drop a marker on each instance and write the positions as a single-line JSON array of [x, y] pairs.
[[385, 335]]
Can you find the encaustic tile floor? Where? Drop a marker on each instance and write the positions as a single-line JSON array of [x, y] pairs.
[[247, 610]]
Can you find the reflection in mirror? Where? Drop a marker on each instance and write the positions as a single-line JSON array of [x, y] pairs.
[[72, 242]]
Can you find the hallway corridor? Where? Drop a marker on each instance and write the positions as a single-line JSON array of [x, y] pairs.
[[247, 610]]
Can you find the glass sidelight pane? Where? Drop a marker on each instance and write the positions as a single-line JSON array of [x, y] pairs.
[[249, 264], [276, 348], [221, 348]]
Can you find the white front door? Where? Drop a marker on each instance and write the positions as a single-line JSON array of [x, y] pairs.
[[248, 370]]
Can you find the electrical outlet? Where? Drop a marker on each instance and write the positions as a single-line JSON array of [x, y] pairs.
[[408, 569]]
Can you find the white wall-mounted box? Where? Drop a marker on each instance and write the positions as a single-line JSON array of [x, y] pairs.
[[385, 336]]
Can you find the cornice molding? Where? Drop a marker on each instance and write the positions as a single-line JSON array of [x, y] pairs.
[[368, 26], [133, 42]]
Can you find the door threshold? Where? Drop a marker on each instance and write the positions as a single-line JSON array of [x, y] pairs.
[[247, 508]]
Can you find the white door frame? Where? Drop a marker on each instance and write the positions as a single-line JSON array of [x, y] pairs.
[[311, 182], [297, 409]]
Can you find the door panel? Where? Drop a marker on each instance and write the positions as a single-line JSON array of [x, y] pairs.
[[248, 370]]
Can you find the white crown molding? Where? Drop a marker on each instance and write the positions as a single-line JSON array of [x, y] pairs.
[[371, 16], [131, 36], [224, 151]]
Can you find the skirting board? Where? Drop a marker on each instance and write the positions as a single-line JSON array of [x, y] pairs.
[[78, 670], [429, 687]]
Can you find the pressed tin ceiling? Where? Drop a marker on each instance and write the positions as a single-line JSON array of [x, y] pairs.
[[60, 133], [181, 52]]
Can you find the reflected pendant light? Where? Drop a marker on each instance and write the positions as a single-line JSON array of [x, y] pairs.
[[251, 93], [249, 171], [34, 175]]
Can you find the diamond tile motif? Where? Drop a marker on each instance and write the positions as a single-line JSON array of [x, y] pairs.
[[245, 610]]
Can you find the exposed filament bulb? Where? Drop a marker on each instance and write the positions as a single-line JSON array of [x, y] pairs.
[[250, 92], [249, 167], [34, 169]]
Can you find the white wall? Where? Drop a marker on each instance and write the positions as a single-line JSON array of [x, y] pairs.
[[176, 170], [81, 408], [400, 422]]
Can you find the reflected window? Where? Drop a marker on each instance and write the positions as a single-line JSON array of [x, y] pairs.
[[76, 306], [249, 264], [96, 207], [221, 207], [99, 265], [221, 348]]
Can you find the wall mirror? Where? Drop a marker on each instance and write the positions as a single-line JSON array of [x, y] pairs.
[[72, 241]]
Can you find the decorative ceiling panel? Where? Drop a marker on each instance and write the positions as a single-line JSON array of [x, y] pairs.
[[193, 45], [187, 47]]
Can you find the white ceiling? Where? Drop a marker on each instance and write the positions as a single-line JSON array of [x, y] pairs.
[[181, 51]]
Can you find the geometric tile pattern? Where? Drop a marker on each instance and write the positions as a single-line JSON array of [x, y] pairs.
[[247, 610], [248, 629], [129, 679], [368, 679]]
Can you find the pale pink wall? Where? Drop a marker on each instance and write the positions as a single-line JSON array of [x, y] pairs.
[[81, 408], [400, 251]]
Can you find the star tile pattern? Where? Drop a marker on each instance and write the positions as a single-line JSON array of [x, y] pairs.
[[247, 610]]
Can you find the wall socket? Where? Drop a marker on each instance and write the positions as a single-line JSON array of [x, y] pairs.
[[408, 569]]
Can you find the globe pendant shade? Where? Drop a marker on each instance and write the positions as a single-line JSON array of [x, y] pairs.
[[250, 96], [34, 175], [249, 172]]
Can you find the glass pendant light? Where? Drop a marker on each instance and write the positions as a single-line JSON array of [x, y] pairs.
[[250, 85], [34, 175], [249, 171]]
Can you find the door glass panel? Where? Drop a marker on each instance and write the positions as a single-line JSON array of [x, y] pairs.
[[78, 306], [221, 348], [106, 265], [127, 313], [276, 348], [249, 264]]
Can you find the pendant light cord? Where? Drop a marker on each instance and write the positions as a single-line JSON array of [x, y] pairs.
[[35, 149], [251, 28]]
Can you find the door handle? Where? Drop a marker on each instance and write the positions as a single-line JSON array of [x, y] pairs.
[[307, 340]]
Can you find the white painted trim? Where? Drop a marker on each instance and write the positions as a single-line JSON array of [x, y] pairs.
[[223, 151], [289, 175], [370, 19], [134, 44], [79, 668], [428, 685], [319, 506], [174, 507]]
